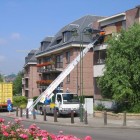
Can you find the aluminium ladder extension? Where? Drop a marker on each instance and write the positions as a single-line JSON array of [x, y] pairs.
[[48, 92]]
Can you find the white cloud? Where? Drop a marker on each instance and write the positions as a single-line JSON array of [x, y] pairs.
[[3, 41], [15, 36], [2, 58]]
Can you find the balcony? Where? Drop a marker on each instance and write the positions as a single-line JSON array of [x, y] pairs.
[[44, 82], [26, 75], [51, 68], [23, 81], [45, 64]]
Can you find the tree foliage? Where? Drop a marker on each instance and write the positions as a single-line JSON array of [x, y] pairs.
[[17, 84], [20, 101], [1, 78], [121, 79]]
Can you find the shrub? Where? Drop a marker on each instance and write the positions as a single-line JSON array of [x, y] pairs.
[[99, 107], [136, 108], [20, 101]]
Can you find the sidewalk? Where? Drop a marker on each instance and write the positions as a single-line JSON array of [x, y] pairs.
[[91, 121]]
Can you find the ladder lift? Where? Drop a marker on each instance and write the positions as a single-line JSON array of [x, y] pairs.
[[49, 91]]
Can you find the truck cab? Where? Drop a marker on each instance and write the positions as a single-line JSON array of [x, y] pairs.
[[63, 103]]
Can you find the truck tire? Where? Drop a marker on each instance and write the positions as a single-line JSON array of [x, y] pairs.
[[58, 114], [41, 112]]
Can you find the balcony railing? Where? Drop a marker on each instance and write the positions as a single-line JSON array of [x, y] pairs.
[[26, 75], [59, 65], [23, 81], [45, 70], [101, 61], [42, 87]]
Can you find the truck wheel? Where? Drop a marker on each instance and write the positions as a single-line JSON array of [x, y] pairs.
[[58, 114], [41, 112]]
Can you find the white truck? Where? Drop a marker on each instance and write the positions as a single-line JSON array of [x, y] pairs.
[[63, 103]]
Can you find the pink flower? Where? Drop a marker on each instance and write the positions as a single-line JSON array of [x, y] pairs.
[[44, 138], [88, 138], [24, 136], [33, 127], [5, 134], [2, 120]]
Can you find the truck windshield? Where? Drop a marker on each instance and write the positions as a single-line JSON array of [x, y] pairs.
[[70, 98]]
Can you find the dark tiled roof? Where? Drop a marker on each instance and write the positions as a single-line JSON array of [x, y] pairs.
[[47, 39], [31, 57], [80, 24]]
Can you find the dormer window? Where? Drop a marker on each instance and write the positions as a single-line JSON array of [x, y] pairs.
[[66, 36], [58, 41], [44, 45]]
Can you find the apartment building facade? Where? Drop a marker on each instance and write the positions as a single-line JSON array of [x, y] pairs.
[[111, 25], [29, 87], [55, 53]]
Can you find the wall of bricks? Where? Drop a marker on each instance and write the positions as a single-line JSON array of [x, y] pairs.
[[132, 16], [87, 74], [33, 77]]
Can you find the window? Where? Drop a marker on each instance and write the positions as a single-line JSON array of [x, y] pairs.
[[70, 98], [59, 99], [66, 36], [59, 61], [99, 57], [67, 57], [68, 78], [26, 93], [58, 41], [46, 59], [97, 89], [39, 61], [124, 24], [44, 44], [47, 77]]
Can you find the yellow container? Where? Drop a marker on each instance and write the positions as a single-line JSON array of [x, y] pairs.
[[52, 105], [6, 93]]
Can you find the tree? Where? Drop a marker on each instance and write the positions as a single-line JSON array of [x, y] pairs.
[[17, 84], [1, 78], [20, 101], [121, 79]]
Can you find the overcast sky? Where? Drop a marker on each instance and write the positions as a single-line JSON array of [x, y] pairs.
[[25, 23]]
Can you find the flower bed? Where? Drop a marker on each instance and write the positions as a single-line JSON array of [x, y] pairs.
[[16, 131]]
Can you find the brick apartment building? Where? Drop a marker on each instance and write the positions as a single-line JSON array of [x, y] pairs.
[[29, 86], [111, 25], [55, 53]]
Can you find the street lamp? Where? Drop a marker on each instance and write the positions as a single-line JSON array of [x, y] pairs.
[[76, 32]]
